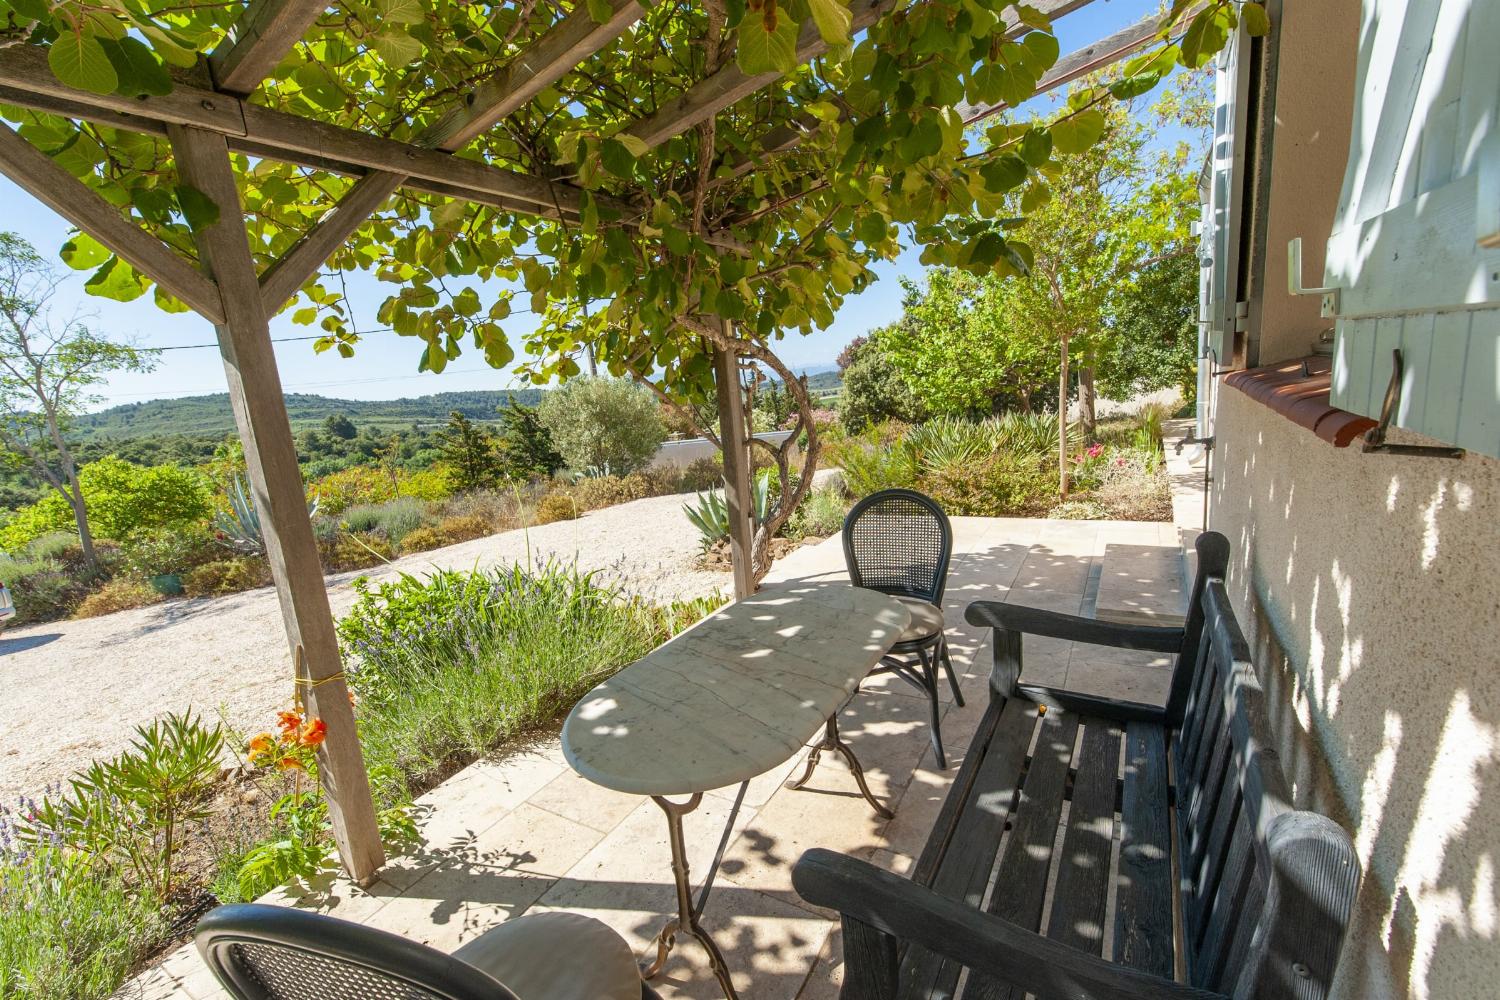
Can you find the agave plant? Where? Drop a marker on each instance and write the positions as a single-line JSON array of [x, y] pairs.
[[238, 528], [711, 516]]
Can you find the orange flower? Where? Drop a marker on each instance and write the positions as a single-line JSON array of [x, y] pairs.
[[313, 733], [260, 746], [288, 723], [290, 763]]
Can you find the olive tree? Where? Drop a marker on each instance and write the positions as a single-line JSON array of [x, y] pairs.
[[48, 371], [604, 425]]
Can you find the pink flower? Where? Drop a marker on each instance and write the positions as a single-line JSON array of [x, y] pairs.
[[1095, 450]]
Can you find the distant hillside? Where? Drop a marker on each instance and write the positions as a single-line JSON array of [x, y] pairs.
[[211, 414]]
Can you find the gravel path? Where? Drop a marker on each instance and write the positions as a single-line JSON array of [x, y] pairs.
[[72, 691]]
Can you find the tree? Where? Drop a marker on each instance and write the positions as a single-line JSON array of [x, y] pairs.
[[338, 425], [961, 352], [123, 501], [471, 452], [48, 370], [601, 424], [874, 390], [525, 444]]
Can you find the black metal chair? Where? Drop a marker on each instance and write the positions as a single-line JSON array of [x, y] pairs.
[[900, 542], [279, 953]]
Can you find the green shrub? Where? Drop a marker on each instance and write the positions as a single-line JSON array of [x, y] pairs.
[[701, 474], [72, 931], [43, 593], [499, 508], [604, 424], [431, 484], [450, 666], [123, 500], [119, 594], [1002, 485], [160, 552], [359, 484], [449, 531], [557, 506], [870, 464], [820, 514], [226, 576], [393, 519], [594, 492], [356, 550]]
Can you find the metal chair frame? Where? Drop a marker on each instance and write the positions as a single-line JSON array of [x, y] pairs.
[[915, 661], [376, 965]]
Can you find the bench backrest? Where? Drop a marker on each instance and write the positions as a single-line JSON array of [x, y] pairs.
[[1266, 889]]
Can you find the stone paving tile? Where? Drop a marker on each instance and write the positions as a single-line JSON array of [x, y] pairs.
[[626, 879], [1100, 675], [768, 944], [917, 809], [576, 798]]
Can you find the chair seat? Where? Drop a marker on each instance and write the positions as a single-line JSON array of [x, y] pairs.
[[926, 620], [556, 956]]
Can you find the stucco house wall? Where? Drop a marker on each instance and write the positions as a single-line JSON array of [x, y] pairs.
[[1369, 586]]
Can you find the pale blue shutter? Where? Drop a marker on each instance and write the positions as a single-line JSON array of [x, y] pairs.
[[1415, 250]]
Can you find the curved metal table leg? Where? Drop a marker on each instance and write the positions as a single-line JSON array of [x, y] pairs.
[[834, 743], [686, 921]]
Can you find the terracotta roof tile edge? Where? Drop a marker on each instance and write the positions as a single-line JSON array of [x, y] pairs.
[[1298, 390]]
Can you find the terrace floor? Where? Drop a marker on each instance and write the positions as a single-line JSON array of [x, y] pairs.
[[523, 833]]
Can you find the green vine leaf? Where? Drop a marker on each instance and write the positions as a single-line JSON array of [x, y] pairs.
[[401, 11], [1077, 132], [78, 60], [768, 42], [833, 19]]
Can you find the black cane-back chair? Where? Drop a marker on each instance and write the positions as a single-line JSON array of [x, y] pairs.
[[899, 542], [279, 953]]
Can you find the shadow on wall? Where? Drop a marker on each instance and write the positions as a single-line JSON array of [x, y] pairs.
[[1374, 601]]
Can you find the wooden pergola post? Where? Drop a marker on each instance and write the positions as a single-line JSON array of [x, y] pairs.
[[276, 481], [735, 440]]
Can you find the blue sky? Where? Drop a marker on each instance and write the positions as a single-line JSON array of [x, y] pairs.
[[384, 367]]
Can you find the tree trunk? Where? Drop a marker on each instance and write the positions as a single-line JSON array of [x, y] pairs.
[[81, 516], [1062, 423], [1087, 397]]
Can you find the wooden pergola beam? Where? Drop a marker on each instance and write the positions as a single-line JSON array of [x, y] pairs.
[[731, 84], [30, 83], [550, 57], [255, 394], [734, 438], [1089, 59], [264, 34], [561, 48], [70, 198], [786, 137]]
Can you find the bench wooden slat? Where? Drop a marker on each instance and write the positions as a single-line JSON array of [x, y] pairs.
[[1195, 830], [1021, 881], [1193, 758], [1143, 906], [963, 783], [1228, 912], [1197, 798], [1078, 902], [1199, 693], [963, 869], [1213, 867]]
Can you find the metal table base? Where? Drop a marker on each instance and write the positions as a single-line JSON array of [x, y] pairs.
[[833, 743], [688, 911]]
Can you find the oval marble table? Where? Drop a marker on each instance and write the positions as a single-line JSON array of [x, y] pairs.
[[730, 698]]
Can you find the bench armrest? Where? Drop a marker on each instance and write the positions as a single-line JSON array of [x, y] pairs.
[[879, 909], [1035, 621]]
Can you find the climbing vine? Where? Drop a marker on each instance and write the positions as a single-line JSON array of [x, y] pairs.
[[878, 146]]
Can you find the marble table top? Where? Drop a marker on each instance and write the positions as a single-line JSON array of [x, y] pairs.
[[736, 694]]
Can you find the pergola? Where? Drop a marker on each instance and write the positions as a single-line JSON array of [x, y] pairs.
[[211, 112]]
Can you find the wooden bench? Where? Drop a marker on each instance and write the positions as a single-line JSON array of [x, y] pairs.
[[1110, 849]]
